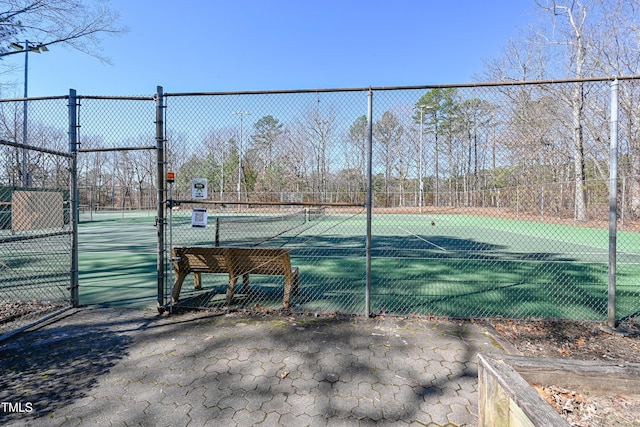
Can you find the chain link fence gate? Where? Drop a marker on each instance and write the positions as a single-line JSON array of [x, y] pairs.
[[118, 199], [38, 269]]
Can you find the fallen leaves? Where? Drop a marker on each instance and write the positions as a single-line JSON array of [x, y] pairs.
[[569, 339], [585, 411], [578, 340]]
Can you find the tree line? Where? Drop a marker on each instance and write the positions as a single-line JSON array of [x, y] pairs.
[[451, 146], [473, 147], [508, 146]]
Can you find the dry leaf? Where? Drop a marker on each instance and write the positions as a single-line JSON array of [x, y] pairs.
[[539, 389], [284, 375]]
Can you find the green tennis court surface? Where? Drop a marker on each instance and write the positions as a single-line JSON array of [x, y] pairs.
[[453, 265], [117, 260]]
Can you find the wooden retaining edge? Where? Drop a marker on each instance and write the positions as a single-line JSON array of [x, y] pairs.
[[506, 397]]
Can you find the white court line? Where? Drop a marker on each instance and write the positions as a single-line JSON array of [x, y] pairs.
[[424, 240]]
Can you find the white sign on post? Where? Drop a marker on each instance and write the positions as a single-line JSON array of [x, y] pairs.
[[199, 188], [199, 218]]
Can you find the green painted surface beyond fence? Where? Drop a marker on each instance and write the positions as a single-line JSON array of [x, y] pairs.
[[445, 265], [117, 260]]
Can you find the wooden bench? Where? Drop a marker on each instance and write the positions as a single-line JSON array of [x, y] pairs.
[[236, 262], [195, 260]]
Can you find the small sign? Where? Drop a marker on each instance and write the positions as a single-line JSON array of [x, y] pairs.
[[199, 188], [171, 177], [199, 218]]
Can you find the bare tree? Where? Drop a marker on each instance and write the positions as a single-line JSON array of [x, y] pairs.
[[388, 133], [48, 170], [295, 157], [217, 153], [267, 130], [617, 52], [356, 150], [10, 125], [474, 123], [569, 42], [177, 155], [316, 130], [143, 169], [75, 23], [522, 58], [440, 106], [571, 30]]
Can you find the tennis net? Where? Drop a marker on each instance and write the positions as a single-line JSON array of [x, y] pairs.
[[317, 213], [253, 230]]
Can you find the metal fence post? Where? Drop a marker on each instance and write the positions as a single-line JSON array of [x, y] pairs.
[[613, 206], [369, 200], [160, 198], [74, 214]]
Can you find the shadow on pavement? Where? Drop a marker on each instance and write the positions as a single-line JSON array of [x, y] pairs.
[[123, 367]]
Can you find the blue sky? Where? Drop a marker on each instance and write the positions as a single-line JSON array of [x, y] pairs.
[[229, 45]]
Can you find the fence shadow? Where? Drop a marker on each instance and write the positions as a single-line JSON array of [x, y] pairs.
[[133, 368], [448, 276], [47, 369]]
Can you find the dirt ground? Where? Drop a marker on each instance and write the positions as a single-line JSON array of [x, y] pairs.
[[23, 312], [572, 340], [584, 341]]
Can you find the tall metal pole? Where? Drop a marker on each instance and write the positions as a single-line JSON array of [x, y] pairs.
[[613, 204], [73, 197], [37, 48], [159, 98], [240, 162], [421, 189], [369, 201], [25, 179], [421, 184], [435, 155]]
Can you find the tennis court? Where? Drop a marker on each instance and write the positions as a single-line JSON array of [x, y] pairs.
[[439, 264], [117, 259]]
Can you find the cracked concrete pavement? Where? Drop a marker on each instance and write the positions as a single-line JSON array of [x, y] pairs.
[[110, 366]]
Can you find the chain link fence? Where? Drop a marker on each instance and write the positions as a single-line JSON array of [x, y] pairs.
[[487, 200], [462, 200], [36, 231]]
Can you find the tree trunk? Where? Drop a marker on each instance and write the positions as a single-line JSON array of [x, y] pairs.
[[578, 154], [634, 186]]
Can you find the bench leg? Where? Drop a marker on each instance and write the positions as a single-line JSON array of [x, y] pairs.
[[286, 300], [287, 292], [291, 285], [197, 278], [295, 276], [177, 286], [245, 283], [231, 289]]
